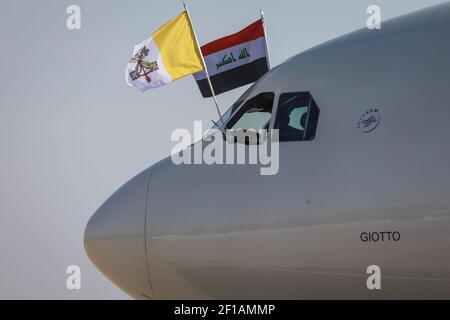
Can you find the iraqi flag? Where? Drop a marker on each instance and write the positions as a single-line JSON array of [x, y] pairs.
[[234, 61]]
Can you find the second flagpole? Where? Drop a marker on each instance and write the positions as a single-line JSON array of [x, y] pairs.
[[204, 64], [269, 64]]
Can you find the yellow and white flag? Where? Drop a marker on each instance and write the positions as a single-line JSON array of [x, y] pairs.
[[170, 53]]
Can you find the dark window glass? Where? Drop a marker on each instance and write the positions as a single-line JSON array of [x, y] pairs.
[[297, 116]]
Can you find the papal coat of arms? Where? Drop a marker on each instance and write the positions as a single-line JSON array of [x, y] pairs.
[[143, 68]]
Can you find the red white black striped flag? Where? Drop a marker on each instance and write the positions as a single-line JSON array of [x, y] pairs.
[[234, 61]]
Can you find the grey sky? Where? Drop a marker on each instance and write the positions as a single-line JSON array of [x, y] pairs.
[[72, 131]]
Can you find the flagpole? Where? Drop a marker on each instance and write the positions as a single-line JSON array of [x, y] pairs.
[[204, 64], [269, 65]]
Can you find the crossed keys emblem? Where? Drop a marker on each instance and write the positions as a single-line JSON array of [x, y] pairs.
[[143, 68]]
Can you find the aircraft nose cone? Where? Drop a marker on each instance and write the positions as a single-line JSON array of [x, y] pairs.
[[114, 238]]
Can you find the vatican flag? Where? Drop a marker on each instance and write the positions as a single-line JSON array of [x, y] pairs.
[[171, 53]]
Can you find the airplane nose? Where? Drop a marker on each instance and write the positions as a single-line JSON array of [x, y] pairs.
[[114, 238]]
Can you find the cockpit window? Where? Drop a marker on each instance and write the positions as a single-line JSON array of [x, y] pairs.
[[227, 114], [254, 114], [297, 117], [230, 112]]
